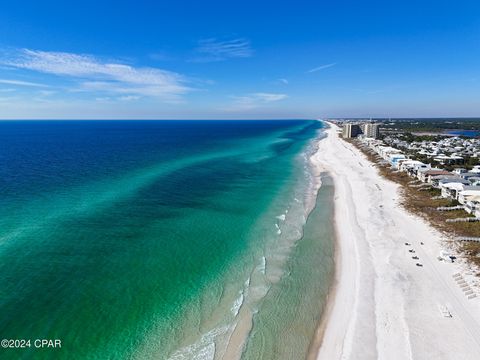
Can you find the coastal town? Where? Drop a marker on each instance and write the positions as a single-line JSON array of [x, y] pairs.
[[444, 166]]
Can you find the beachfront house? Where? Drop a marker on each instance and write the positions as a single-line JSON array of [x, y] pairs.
[[408, 164], [386, 151], [411, 167], [451, 188], [420, 167], [469, 194], [395, 158], [436, 179], [425, 175]]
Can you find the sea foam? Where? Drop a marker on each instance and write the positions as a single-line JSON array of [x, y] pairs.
[[203, 349], [237, 304]]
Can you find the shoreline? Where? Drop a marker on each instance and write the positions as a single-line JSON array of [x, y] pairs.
[[239, 336], [318, 337], [380, 304]]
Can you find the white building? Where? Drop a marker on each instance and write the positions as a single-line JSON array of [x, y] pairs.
[[451, 188]]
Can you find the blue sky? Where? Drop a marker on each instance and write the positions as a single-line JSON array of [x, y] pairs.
[[243, 59]]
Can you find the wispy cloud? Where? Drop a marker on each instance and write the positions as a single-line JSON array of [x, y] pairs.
[[283, 81], [129, 98], [21, 83], [210, 50], [254, 100], [268, 97], [321, 67], [94, 74]]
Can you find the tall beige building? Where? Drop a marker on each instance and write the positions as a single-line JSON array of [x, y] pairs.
[[371, 130], [351, 130]]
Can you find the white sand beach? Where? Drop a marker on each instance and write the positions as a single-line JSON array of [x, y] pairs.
[[384, 306]]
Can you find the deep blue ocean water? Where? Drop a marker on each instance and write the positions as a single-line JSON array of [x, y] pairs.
[[156, 239]]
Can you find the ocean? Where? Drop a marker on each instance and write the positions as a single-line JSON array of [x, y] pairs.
[[163, 239]]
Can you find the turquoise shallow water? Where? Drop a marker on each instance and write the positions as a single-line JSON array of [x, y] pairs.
[[161, 239]]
